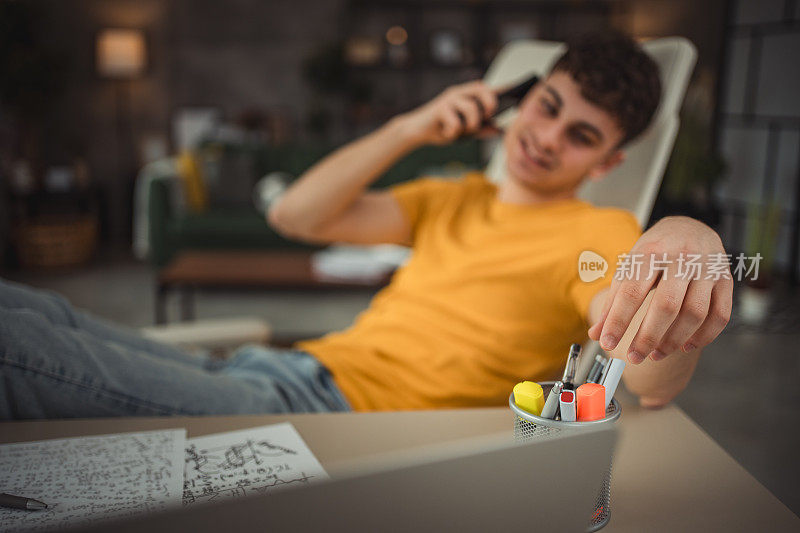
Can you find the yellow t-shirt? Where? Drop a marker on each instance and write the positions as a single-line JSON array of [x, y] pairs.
[[490, 296]]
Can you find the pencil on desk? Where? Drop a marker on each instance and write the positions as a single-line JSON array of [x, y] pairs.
[[18, 502]]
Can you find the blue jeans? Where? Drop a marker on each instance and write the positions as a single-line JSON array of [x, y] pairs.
[[58, 362]]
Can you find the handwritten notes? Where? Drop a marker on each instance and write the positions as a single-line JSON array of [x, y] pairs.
[[87, 479], [248, 462]]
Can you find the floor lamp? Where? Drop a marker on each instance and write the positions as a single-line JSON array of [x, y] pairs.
[[121, 57]]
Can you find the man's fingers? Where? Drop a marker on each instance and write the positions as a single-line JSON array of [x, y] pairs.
[[594, 331], [488, 100], [628, 299], [483, 93], [468, 109], [692, 314], [480, 106], [719, 313], [450, 123], [664, 308], [485, 107], [462, 109]]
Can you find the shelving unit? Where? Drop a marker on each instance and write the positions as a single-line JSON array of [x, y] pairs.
[[768, 124], [480, 24]]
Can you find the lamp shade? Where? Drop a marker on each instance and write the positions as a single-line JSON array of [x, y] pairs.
[[120, 53]]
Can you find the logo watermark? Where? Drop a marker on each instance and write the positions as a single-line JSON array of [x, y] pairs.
[[693, 267], [591, 266]]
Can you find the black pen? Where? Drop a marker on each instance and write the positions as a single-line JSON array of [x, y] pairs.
[[18, 502], [572, 365]]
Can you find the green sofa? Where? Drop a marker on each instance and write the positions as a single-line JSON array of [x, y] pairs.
[[241, 227]]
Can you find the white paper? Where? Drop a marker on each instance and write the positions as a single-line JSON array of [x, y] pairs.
[[88, 479], [247, 462], [365, 264]]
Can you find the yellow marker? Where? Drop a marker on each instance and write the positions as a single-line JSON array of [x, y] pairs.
[[529, 396]]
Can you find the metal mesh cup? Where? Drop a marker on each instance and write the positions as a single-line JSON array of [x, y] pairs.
[[529, 427]]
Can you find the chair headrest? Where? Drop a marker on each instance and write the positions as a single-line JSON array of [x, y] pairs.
[[674, 56], [634, 184]]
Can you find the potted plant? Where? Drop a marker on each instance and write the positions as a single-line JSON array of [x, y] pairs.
[[762, 237], [694, 167]]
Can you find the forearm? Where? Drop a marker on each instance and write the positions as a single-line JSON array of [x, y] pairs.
[[332, 185], [657, 383]]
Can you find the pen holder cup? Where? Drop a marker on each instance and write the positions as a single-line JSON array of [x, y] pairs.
[[528, 427]]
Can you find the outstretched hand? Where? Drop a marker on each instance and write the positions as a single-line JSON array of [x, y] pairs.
[[686, 312]]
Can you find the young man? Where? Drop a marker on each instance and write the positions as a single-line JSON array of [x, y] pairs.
[[492, 292], [491, 295]]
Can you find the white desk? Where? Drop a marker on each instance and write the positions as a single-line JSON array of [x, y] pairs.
[[669, 475]]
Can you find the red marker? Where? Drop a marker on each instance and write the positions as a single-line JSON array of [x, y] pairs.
[[591, 402]]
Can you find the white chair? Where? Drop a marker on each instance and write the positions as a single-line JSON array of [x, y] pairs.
[[635, 183]]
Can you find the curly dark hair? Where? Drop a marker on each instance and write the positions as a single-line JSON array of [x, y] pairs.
[[615, 74]]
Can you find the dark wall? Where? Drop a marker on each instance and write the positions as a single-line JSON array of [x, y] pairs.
[[232, 55], [760, 133], [241, 54]]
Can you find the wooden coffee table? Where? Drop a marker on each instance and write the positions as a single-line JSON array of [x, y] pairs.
[[669, 475], [243, 270]]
